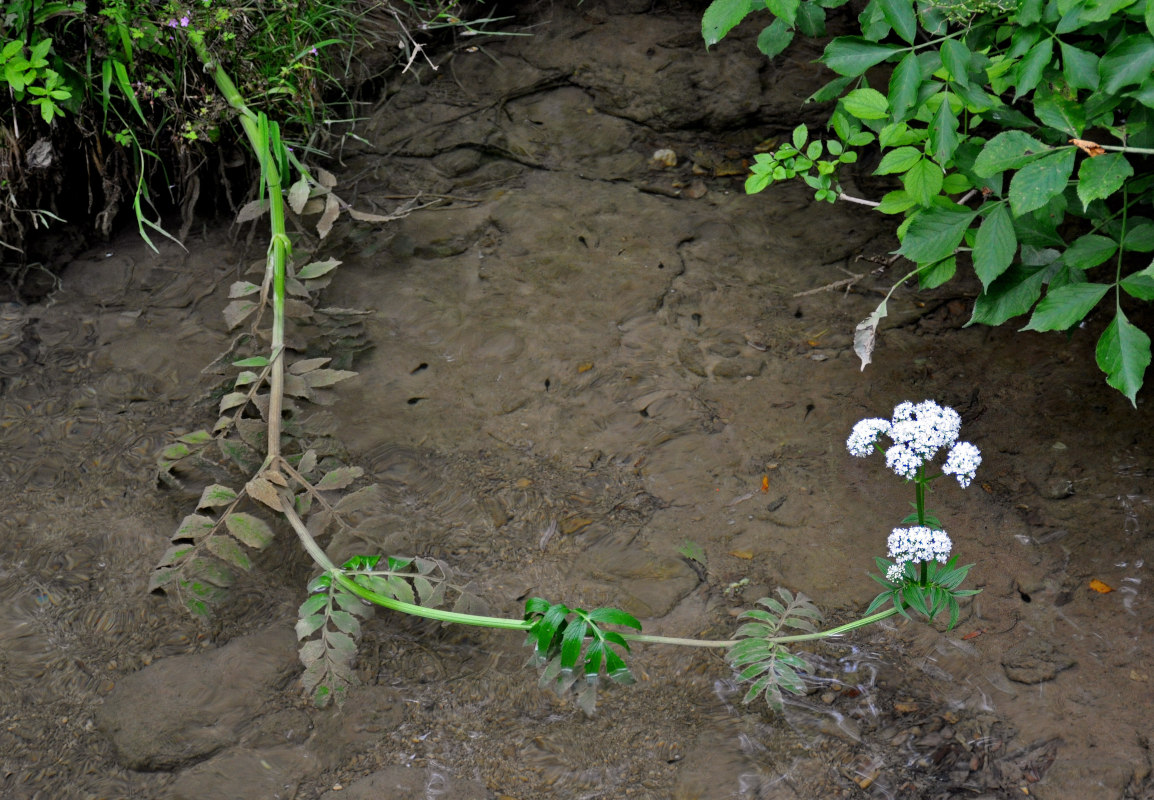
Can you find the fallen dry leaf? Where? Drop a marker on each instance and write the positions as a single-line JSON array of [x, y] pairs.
[[1100, 587]]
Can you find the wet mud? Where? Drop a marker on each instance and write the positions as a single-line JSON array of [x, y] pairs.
[[584, 358]]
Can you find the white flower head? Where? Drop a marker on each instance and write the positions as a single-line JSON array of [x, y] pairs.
[[918, 543], [918, 432], [963, 462], [865, 433]]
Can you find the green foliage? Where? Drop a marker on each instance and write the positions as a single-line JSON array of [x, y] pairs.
[[763, 662], [1020, 133], [925, 587], [573, 649]]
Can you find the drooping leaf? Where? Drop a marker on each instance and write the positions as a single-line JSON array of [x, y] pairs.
[[1031, 66], [904, 85], [193, 527], [1066, 306], [1013, 293], [900, 15], [994, 245], [1123, 353], [943, 134], [934, 275], [865, 335], [956, 60]]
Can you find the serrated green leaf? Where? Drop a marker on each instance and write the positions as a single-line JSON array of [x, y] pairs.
[[956, 60], [935, 233], [905, 82], [898, 160], [896, 202], [312, 605], [1060, 113], [852, 55], [774, 38], [784, 9], [1079, 67], [994, 245], [943, 135], [720, 18], [1089, 251], [866, 104], [811, 20], [1066, 306], [1007, 150], [1101, 176], [1030, 68], [1013, 293], [254, 361], [900, 15], [1140, 284], [251, 530], [1129, 61], [1123, 353], [931, 276], [341, 644], [1034, 184], [1139, 235]]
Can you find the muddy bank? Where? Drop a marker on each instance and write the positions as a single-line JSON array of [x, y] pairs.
[[583, 359]]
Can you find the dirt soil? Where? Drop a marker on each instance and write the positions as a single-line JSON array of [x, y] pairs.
[[584, 358]]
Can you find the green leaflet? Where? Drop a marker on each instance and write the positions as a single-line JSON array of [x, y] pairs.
[[1034, 184], [1123, 353]]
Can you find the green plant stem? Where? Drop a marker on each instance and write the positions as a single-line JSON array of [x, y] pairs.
[[279, 249]]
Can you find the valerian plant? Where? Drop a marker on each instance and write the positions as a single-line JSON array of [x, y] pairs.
[[1019, 131], [293, 468]]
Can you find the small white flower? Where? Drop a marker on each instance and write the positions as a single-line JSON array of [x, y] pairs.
[[918, 543], [896, 572], [963, 462], [865, 433]]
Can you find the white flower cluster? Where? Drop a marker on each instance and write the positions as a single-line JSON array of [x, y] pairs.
[[918, 432], [916, 544]]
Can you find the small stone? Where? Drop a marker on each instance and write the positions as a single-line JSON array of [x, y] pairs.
[[1034, 660]]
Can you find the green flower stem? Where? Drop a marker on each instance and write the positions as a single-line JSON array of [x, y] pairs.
[[280, 247]]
